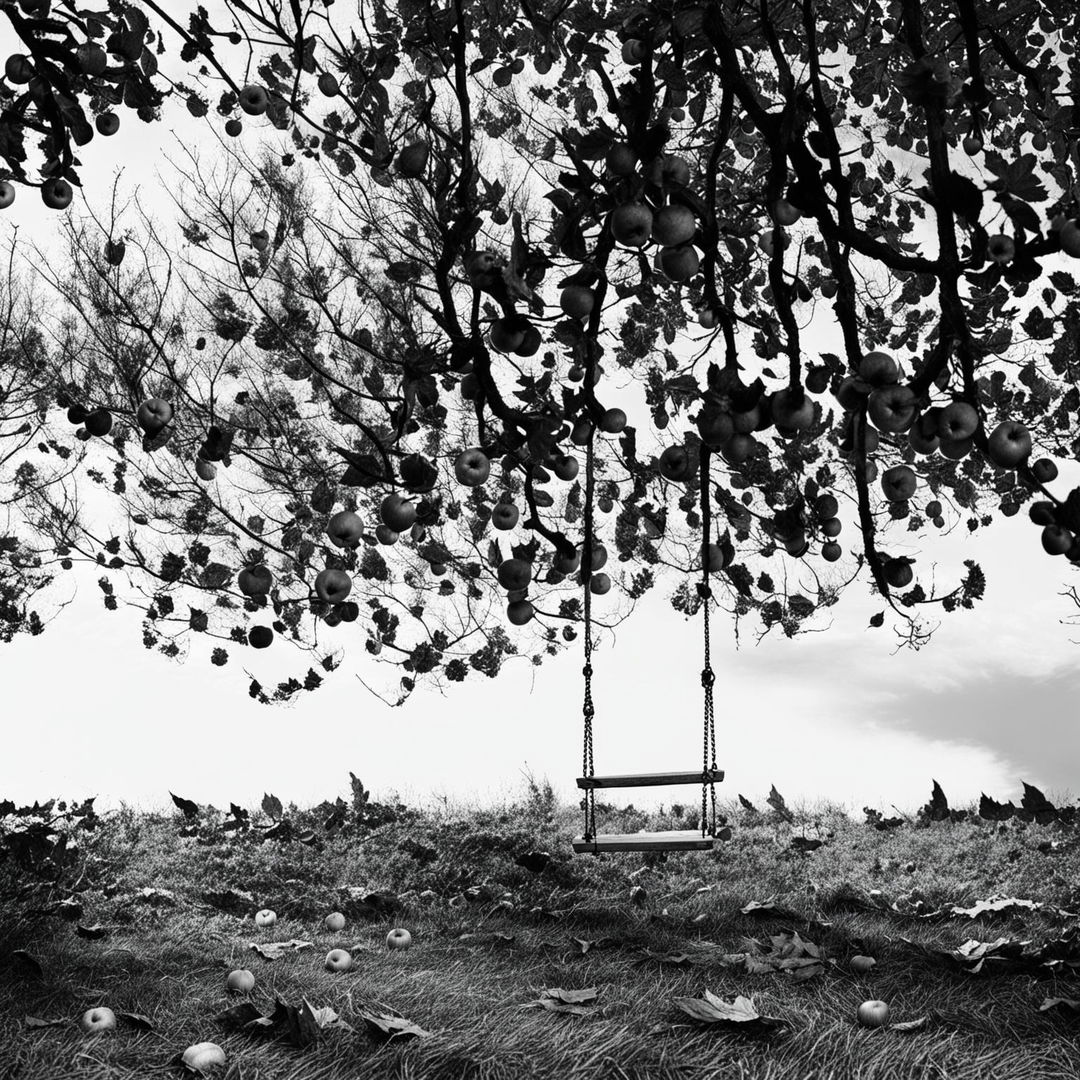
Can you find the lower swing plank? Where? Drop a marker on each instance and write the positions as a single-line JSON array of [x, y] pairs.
[[647, 841]]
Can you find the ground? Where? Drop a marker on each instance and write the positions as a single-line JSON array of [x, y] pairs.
[[159, 919]]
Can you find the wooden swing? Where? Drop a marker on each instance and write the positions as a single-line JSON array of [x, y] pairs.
[[708, 776]]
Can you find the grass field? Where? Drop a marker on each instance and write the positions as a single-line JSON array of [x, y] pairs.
[[490, 936]]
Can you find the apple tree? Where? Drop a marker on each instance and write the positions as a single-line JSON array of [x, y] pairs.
[[803, 269]]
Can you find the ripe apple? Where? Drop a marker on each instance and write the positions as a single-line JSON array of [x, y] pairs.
[[398, 939], [1009, 444], [240, 980], [707, 319], [674, 463], [631, 224], [1001, 248], [851, 392], [99, 422], [95, 1021], [892, 408], [530, 342], [712, 556], [633, 51], [621, 160], [957, 420], [565, 466], [786, 213], [338, 960], [577, 301], [255, 581], [873, 1014], [899, 483], [153, 415], [1070, 238], [56, 193], [674, 172], [790, 412], [7, 194], [878, 369], [1042, 513], [748, 420], [826, 506], [675, 224], [18, 69], [1044, 470], [898, 573], [333, 586], [413, 159], [739, 448], [612, 422], [265, 918], [345, 529], [831, 551], [334, 922], [714, 427], [504, 515], [831, 527], [260, 637], [600, 584], [234, 127], [328, 84], [203, 1057], [385, 535], [566, 564], [972, 144], [861, 964], [597, 561], [254, 100], [955, 449], [472, 467], [205, 470], [919, 440], [397, 512], [519, 612], [107, 123], [1056, 539], [679, 263], [514, 574]]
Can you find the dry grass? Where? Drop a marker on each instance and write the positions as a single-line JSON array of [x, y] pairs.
[[170, 963]]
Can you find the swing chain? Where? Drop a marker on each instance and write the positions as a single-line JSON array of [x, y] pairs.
[[708, 677], [588, 710]]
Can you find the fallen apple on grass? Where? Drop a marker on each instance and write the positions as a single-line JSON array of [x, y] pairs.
[[201, 1057], [873, 1014], [338, 960], [335, 921], [265, 918], [398, 939], [95, 1021], [241, 981]]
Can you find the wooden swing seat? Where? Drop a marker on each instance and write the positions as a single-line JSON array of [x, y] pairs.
[[647, 841], [656, 779]]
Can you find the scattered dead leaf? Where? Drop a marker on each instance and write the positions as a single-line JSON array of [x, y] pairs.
[[91, 933], [712, 1010], [388, 1026], [37, 1022], [275, 950]]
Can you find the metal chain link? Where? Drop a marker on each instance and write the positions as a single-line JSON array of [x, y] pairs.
[[708, 678], [589, 802]]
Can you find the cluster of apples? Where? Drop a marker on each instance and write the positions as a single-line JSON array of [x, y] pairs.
[[199, 1057], [243, 981]]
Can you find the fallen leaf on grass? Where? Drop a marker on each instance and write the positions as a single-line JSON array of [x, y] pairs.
[[711, 1010], [239, 1016], [386, 1026], [769, 909], [275, 950], [551, 1005], [571, 997], [910, 1025], [137, 1020], [155, 897], [91, 933], [584, 944], [494, 938], [36, 1022], [996, 906], [1060, 1003], [27, 964]]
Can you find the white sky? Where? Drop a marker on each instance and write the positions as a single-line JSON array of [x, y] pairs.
[[989, 702]]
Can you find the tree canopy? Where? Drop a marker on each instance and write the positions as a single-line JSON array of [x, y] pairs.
[[800, 268]]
